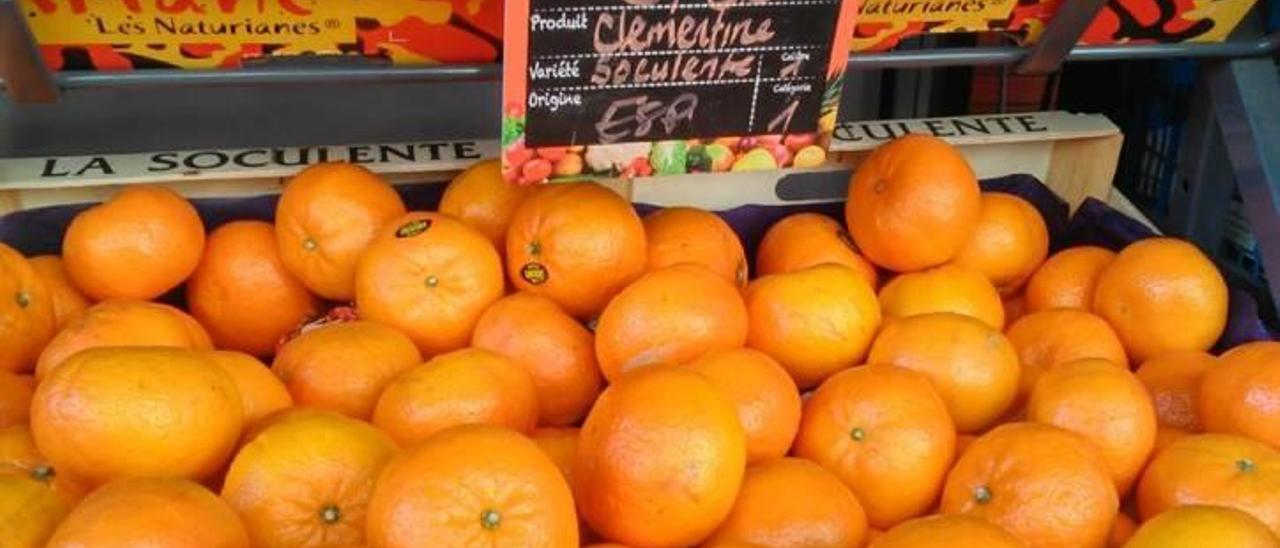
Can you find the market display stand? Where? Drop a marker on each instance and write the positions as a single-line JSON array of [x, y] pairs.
[[1235, 125]]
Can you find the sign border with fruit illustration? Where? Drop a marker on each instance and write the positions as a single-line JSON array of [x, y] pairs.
[[627, 160]]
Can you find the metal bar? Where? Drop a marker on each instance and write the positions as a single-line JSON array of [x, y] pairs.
[[1060, 37], [21, 68], [1245, 94]]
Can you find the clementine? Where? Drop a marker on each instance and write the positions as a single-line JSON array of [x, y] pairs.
[[814, 322], [139, 245], [1045, 485], [885, 432], [88, 416], [1049, 338], [123, 323], [973, 367], [1162, 294], [29, 511], [1173, 381], [662, 445], [913, 203], [947, 288], [468, 386], [261, 392], [344, 366], [482, 199], [766, 398], [552, 347], [68, 301], [803, 240], [430, 276], [672, 315], [791, 502], [15, 398], [472, 485], [242, 293], [306, 480], [1198, 526], [946, 531], [689, 235], [327, 215], [1217, 469], [1068, 278], [135, 512], [577, 244], [560, 445], [19, 455], [1241, 395], [1104, 404], [1009, 244], [26, 312]]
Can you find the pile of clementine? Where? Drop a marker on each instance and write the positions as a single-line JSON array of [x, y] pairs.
[[542, 367]]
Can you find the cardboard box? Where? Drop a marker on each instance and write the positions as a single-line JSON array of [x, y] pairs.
[[883, 24], [203, 34], [1075, 155]]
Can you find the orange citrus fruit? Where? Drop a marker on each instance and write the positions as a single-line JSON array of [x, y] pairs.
[[1241, 394], [68, 301], [913, 203], [766, 398], [577, 244], [89, 416], [802, 240], [1067, 279], [241, 292], [19, 455], [27, 319], [947, 288], [689, 235], [29, 511], [814, 322], [791, 502], [138, 245], [123, 323], [946, 531], [151, 512], [1162, 294], [482, 199], [1043, 484], [552, 347], [261, 392], [15, 398], [662, 445], [673, 315], [885, 432], [468, 386], [1009, 244], [1104, 404], [1216, 469], [1200, 526], [306, 480], [472, 485], [973, 367], [1173, 380], [344, 366], [326, 217], [1049, 338]]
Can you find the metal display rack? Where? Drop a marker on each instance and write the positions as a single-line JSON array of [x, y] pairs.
[[1233, 133]]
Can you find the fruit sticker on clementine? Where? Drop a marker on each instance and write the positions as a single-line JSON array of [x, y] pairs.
[[430, 276]]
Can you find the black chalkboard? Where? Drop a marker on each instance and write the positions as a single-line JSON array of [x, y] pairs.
[[612, 71]]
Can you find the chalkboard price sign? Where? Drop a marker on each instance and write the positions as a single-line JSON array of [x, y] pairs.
[[585, 74]]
